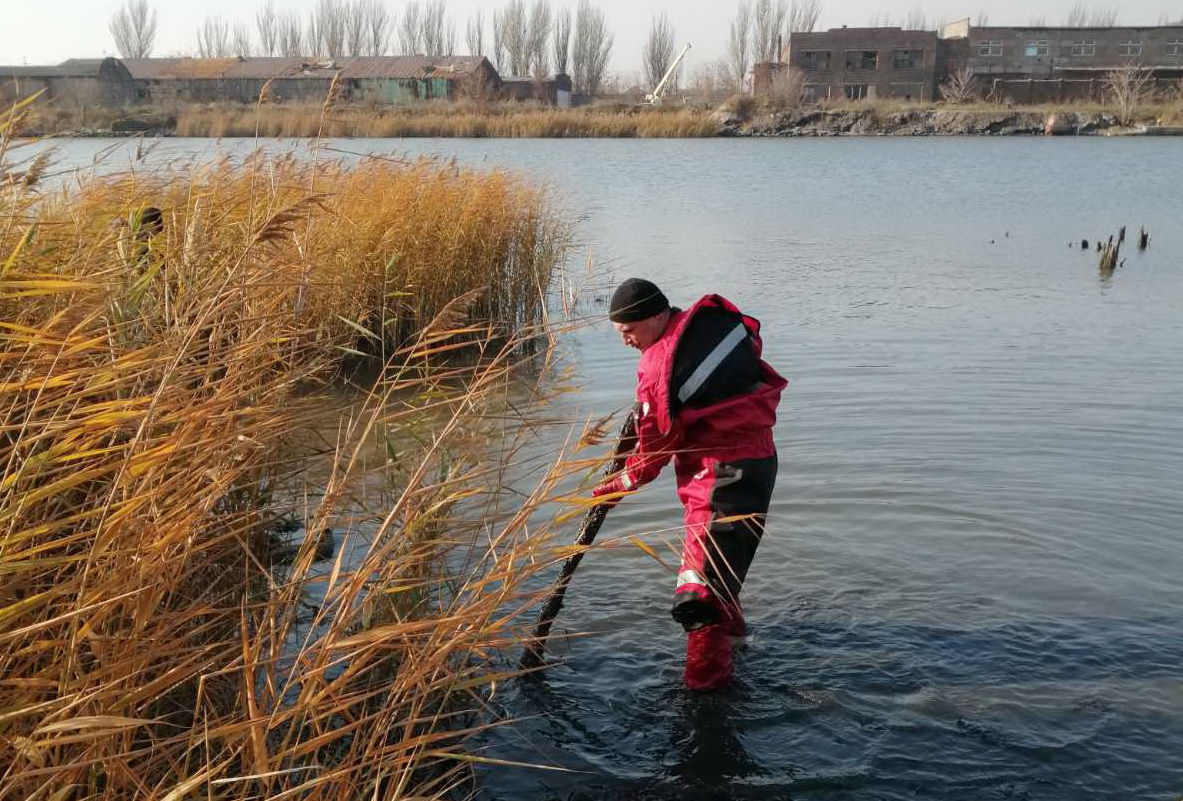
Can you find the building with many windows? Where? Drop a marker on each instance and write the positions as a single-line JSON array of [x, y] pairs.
[[1023, 64], [1034, 64], [865, 63]]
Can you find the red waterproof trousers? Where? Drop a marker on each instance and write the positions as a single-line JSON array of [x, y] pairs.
[[725, 508]]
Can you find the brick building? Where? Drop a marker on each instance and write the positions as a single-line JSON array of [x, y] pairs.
[[866, 63], [1027, 64], [1037, 63]]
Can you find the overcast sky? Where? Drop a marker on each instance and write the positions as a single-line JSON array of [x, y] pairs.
[[49, 31]]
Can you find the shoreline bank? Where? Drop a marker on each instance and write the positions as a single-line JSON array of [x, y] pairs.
[[734, 119]]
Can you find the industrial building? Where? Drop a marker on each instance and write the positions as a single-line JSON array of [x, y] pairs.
[[1025, 64], [381, 80]]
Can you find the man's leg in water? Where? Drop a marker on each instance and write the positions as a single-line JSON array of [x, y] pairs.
[[716, 556]]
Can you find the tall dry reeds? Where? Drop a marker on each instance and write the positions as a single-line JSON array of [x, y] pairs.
[[162, 346], [431, 120]]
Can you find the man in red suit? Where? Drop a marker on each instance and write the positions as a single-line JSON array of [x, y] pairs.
[[706, 399]]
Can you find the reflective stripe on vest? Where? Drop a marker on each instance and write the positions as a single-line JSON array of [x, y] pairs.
[[712, 362], [626, 481], [691, 577]]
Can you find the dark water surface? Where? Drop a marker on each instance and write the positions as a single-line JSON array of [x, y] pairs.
[[971, 584]]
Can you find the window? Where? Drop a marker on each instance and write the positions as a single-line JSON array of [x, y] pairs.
[[815, 60], [1130, 47], [1084, 47], [907, 59], [1175, 48], [862, 60], [855, 91], [1036, 48], [990, 49]]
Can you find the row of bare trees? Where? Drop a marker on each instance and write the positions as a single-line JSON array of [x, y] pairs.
[[760, 28], [531, 39], [1082, 16], [527, 38]]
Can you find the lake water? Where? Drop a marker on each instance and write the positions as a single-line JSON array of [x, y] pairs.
[[971, 583]]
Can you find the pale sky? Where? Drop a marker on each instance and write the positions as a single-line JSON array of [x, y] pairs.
[[50, 31]]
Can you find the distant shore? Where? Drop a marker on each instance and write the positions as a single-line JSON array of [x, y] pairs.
[[740, 117]]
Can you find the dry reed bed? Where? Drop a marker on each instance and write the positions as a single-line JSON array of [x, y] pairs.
[[148, 648], [466, 121]]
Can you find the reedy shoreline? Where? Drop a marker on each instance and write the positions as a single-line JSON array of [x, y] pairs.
[[159, 377]]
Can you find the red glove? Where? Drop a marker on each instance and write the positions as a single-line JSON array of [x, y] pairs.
[[614, 486]]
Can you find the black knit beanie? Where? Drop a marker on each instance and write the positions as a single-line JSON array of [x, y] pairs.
[[636, 299]]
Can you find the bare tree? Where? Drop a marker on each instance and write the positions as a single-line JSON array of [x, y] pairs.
[[379, 23], [1077, 15], [713, 81], [982, 19], [788, 88], [475, 34], [562, 40], [515, 37], [916, 20], [290, 38], [330, 18], [593, 47], [803, 15], [500, 59], [1037, 21], [410, 30], [658, 52], [134, 29], [537, 36], [739, 39], [1103, 18], [289, 35], [213, 37], [438, 34], [355, 29], [242, 40], [1127, 86], [769, 20], [959, 88], [267, 26]]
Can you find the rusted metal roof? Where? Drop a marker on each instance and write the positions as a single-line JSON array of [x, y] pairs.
[[155, 69], [393, 67]]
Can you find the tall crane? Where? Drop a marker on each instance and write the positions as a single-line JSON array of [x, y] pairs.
[[655, 98]]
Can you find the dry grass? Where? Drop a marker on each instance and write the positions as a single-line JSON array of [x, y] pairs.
[[158, 388], [435, 120]]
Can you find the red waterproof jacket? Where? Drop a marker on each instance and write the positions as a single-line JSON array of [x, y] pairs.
[[703, 392]]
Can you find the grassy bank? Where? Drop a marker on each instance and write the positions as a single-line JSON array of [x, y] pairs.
[[159, 380]]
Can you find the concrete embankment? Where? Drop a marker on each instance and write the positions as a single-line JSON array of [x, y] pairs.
[[927, 122]]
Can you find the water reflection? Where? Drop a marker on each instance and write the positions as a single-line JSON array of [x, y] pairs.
[[707, 745]]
